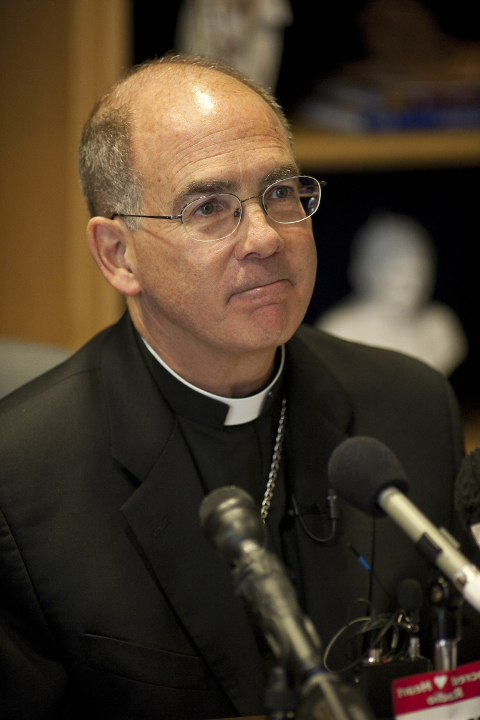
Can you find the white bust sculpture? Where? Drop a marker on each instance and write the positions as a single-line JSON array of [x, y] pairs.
[[392, 272], [247, 34]]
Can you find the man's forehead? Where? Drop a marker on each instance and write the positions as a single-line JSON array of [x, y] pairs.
[[169, 90], [199, 112]]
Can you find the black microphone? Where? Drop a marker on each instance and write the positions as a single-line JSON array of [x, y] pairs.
[[369, 475], [231, 521], [467, 493]]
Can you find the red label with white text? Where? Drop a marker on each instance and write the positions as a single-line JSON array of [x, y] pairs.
[[439, 695]]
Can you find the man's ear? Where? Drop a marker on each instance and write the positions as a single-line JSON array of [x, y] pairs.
[[107, 240]]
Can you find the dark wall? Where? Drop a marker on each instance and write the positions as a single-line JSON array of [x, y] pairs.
[[444, 201]]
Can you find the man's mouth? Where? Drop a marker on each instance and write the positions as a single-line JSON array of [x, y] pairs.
[[261, 289]]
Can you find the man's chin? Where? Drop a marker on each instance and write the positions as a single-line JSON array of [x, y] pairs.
[[266, 330]]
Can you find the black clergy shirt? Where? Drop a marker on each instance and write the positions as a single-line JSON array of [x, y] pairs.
[[238, 455]]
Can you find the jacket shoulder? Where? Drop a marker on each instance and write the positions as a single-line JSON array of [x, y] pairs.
[[350, 361], [391, 394]]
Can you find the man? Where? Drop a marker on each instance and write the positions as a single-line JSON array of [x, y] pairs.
[[113, 602]]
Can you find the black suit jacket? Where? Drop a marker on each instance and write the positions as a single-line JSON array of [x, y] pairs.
[[112, 600]]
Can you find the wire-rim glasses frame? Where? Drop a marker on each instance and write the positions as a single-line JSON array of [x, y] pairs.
[[215, 217]]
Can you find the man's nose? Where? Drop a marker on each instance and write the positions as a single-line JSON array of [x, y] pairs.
[[257, 234]]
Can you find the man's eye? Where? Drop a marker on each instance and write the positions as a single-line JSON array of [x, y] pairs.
[[206, 208], [281, 192]]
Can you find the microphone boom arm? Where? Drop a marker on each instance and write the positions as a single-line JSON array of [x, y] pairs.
[[437, 545]]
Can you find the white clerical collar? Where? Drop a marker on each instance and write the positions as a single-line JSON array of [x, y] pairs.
[[240, 410]]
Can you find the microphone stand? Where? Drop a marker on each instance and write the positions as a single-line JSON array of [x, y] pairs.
[[447, 604], [260, 579], [280, 698]]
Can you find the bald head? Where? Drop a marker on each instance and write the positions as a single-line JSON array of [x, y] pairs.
[[161, 93]]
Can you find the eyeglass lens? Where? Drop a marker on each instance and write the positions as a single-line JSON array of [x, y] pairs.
[[285, 201]]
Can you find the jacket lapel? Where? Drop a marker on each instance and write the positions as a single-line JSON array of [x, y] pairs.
[[163, 515], [320, 417]]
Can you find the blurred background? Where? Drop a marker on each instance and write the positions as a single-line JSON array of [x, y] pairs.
[[368, 85]]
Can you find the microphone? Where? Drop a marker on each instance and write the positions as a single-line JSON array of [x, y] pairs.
[[231, 520], [369, 475], [467, 493]]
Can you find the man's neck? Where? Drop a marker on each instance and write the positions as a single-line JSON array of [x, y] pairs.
[[228, 375], [240, 410]]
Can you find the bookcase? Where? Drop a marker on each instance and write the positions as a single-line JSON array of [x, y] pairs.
[[327, 151]]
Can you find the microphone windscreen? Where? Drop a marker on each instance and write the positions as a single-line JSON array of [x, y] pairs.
[[229, 516], [228, 494], [467, 489], [410, 595], [360, 468]]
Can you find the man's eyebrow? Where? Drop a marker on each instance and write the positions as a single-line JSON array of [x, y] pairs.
[[198, 188], [280, 174]]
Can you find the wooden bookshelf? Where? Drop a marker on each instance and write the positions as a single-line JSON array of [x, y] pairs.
[[322, 150]]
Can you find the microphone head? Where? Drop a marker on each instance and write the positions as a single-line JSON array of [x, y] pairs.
[[360, 468], [229, 516], [467, 489], [410, 600], [410, 595]]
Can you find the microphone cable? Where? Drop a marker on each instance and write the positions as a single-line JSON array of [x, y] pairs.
[[395, 648], [333, 513]]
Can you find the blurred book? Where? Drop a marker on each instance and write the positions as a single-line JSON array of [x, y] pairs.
[[387, 91], [365, 109]]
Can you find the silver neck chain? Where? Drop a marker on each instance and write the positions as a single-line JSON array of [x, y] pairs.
[[277, 454]]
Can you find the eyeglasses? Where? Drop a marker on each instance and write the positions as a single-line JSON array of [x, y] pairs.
[[215, 217]]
